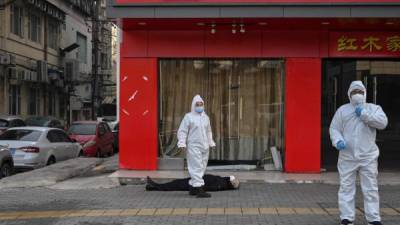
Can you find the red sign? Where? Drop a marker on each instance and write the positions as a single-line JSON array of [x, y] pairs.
[[359, 44], [252, 1]]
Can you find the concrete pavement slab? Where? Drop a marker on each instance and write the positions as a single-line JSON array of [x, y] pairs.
[[50, 175]]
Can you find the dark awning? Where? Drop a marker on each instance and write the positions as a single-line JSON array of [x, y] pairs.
[[255, 9]]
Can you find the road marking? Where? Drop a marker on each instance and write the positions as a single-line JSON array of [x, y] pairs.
[[280, 211], [333, 211], [250, 211], [303, 211], [233, 211], [181, 211], [268, 211], [198, 211], [164, 211], [146, 212], [215, 211], [129, 212], [113, 212], [285, 211], [389, 212]]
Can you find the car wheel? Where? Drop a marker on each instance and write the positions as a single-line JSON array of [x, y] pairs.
[[51, 161], [5, 170]]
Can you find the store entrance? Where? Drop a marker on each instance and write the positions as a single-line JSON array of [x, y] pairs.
[[243, 98], [382, 79]]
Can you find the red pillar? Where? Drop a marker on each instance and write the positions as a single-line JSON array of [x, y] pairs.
[[303, 115], [138, 114]]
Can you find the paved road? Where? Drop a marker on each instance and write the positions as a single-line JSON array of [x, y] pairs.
[[311, 204]]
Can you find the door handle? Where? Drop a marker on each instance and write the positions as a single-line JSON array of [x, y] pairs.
[[241, 108]]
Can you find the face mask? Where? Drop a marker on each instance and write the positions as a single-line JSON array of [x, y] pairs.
[[358, 98], [199, 109]]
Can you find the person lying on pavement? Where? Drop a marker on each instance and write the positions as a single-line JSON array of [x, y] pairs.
[[211, 183]]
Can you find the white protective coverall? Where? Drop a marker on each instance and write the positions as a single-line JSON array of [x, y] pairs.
[[195, 134], [360, 155]]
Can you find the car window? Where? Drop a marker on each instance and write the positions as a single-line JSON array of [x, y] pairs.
[[12, 123], [63, 136], [21, 135], [4, 123], [82, 129], [19, 123], [52, 136], [57, 123], [36, 121]]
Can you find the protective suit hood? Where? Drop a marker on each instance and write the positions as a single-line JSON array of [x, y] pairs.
[[357, 84], [196, 98]]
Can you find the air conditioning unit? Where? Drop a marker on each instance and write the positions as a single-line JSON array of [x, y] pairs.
[[12, 74], [4, 59], [42, 71], [7, 59], [25, 75], [71, 70], [21, 74]]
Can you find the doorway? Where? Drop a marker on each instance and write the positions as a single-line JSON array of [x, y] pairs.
[[382, 79], [243, 98]]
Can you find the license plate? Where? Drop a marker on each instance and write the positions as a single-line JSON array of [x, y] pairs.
[[12, 150]]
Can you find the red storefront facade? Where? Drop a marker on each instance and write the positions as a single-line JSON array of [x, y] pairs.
[[302, 37]]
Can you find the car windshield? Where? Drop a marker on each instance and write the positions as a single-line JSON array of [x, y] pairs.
[[82, 129], [3, 123], [21, 135], [37, 121]]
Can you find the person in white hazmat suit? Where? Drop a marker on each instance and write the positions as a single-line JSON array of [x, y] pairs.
[[353, 132], [195, 136]]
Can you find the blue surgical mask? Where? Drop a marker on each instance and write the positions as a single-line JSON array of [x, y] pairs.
[[199, 109]]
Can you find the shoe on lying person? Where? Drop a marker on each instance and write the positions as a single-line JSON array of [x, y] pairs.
[[202, 194], [375, 223], [346, 222], [193, 190], [150, 185]]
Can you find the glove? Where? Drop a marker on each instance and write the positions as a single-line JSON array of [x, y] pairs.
[[340, 145], [358, 111]]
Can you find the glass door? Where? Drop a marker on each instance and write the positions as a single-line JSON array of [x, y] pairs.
[[382, 79], [243, 98]]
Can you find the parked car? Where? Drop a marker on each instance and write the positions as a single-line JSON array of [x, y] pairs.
[[95, 137], [44, 121], [10, 121], [115, 131], [33, 147], [6, 162]]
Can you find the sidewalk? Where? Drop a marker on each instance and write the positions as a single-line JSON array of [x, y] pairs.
[[139, 177], [59, 172]]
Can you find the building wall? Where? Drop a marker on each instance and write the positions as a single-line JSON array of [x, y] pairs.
[[26, 53]]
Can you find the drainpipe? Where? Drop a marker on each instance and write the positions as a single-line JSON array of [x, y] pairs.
[[45, 56]]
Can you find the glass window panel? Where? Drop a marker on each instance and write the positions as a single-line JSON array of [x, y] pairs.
[[243, 99]]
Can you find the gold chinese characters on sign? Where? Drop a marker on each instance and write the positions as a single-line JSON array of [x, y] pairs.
[[368, 43]]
